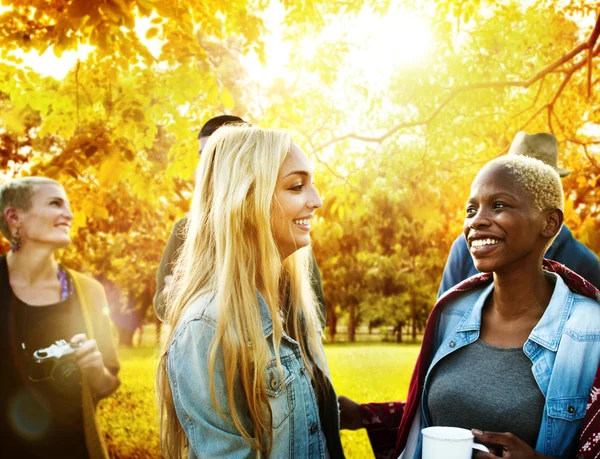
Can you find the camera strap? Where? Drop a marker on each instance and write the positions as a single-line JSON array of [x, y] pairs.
[[93, 437]]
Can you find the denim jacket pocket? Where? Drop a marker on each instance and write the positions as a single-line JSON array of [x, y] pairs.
[[281, 392], [563, 412]]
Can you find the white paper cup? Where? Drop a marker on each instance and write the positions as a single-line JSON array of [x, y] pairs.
[[448, 443]]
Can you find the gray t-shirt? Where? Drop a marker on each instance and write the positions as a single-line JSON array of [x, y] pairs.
[[485, 387]]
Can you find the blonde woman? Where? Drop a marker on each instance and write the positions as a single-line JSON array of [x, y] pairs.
[[57, 359], [243, 373]]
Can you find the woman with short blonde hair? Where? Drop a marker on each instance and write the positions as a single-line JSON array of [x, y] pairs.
[[57, 356]]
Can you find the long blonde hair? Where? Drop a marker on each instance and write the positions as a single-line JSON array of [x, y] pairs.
[[230, 250]]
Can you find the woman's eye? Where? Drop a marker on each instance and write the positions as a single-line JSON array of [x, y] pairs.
[[471, 210], [55, 203], [297, 187], [499, 205]]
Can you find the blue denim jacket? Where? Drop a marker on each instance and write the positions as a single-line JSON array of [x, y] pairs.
[[297, 431], [564, 349]]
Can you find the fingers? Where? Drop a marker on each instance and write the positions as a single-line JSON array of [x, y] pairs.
[[78, 338], [512, 446], [350, 417], [86, 348], [483, 455], [91, 360], [498, 438]]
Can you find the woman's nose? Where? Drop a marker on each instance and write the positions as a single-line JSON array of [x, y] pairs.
[[315, 202]]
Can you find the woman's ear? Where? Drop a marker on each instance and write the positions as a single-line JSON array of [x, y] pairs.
[[552, 223], [11, 214]]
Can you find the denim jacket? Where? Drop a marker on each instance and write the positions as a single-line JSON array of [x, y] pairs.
[[297, 431], [564, 349]]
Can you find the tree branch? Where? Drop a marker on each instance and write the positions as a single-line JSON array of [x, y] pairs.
[[591, 44], [535, 100], [585, 150], [485, 85], [77, 89]]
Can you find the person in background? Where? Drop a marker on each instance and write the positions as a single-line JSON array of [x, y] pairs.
[[565, 249], [47, 402], [164, 273], [242, 371]]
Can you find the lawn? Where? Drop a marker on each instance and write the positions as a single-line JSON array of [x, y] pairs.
[[365, 372]]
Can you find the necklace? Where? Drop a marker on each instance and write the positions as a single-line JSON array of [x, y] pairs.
[[66, 287]]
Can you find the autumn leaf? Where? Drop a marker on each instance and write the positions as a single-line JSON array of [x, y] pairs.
[[152, 32]]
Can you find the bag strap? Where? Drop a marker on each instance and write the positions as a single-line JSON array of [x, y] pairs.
[[93, 437]]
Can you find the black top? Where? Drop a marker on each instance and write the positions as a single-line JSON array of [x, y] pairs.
[[40, 404]]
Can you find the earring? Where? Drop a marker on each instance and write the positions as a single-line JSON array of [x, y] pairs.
[[15, 243]]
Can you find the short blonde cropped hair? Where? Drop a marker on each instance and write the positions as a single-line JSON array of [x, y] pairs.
[[536, 178], [18, 193]]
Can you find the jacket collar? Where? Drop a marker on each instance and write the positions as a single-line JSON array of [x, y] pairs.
[[267, 319], [548, 330], [265, 315]]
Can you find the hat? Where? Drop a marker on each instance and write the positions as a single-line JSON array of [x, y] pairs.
[[541, 146]]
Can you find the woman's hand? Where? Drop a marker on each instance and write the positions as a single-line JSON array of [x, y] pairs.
[[512, 446], [89, 359], [350, 418]]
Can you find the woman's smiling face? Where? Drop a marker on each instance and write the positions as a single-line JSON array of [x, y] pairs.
[[502, 227], [295, 202], [48, 220]]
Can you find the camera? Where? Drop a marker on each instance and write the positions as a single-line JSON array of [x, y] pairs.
[[57, 362]]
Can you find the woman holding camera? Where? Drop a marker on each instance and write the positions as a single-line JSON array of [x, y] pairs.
[[49, 388]]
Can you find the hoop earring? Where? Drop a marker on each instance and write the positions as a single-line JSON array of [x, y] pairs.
[[15, 243]]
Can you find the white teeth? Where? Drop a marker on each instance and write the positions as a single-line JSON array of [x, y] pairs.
[[478, 243], [303, 222]]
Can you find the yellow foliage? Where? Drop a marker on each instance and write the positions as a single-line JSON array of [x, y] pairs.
[[108, 174], [13, 121], [226, 99]]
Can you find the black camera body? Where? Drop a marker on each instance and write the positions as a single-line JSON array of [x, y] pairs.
[[57, 362]]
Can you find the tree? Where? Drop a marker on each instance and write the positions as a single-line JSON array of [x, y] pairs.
[[395, 159], [120, 130], [497, 68]]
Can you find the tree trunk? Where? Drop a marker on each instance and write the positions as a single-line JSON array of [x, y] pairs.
[[399, 332], [351, 323], [140, 336], [125, 336], [414, 319], [331, 322]]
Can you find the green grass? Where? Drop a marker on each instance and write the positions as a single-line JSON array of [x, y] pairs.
[[365, 372]]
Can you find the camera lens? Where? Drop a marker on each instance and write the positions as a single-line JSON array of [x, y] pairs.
[[66, 373], [41, 370]]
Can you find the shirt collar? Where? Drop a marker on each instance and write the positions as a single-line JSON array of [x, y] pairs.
[[548, 330]]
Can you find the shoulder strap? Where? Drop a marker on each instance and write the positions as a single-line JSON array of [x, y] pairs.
[[93, 436], [83, 294]]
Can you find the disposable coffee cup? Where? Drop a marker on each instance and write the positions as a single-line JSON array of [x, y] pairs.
[[449, 443]]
